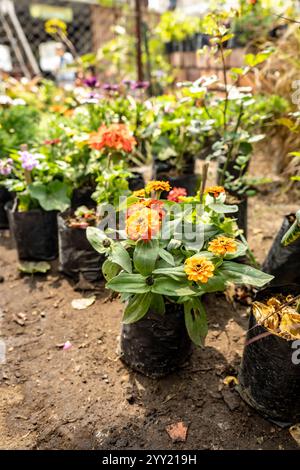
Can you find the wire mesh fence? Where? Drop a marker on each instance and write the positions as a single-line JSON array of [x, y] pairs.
[[89, 25]]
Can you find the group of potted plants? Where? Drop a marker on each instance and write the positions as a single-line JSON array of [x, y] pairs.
[[73, 187]]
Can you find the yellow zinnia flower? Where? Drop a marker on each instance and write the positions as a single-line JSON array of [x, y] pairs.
[[139, 193], [222, 245], [215, 191], [199, 269], [143, 224], [158, 186]]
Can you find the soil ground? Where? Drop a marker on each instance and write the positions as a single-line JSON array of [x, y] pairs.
[[85, 398]]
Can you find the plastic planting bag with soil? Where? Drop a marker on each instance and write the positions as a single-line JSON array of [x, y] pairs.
[[270, 372], [76, 255], [283, 260], [34, 233]]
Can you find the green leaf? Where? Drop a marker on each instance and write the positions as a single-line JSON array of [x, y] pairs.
[[121, 257], [223, 208], [137, 308], [255, 59], [32, 267], [242, 274], [172, 287], [195, 321], [110, 270], [237, 70], [292, 235], [96, 237], [166, 256], [217, 283], [241, 251], [130, 283], [145, 256], [174, 272], [256, 138], [158, 304], [52, 196]]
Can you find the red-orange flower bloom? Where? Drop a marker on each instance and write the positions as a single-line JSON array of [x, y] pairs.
[[215, 191], [176, 193], [113, 137]]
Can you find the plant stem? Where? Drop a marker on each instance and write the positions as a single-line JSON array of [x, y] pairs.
[[204, 179], [28, 177], [231, 147], [225, 85]]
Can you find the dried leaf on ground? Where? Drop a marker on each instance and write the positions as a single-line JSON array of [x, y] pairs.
[[177, 431], [295, 433], [82, 304]]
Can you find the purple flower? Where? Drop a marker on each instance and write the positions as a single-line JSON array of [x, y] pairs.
[[91, 82], [29, 161], [139, 85], [6, 167], [110, 87]]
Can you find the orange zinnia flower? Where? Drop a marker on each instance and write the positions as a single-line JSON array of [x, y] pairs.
[[114, 137], [222, 245], [155, 205], [158, 186], [143, 224], [199, 269], [215, 191]]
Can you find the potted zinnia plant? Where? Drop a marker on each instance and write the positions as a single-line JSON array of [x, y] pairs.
[[39, 195], [163, 257]]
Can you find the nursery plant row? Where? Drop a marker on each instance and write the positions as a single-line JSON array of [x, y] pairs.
[[73, 186]]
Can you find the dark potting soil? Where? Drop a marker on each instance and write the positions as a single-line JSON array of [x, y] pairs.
[[76, 255], [157, 344], [283, 262], [269, 378]]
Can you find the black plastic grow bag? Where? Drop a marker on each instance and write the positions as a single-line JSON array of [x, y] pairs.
[[83, 197], [165, 168], [34, 232], [157, 344], [136, 181], [242, 215], [269, 378], [76, 255], [283, 262], [5, 197]]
